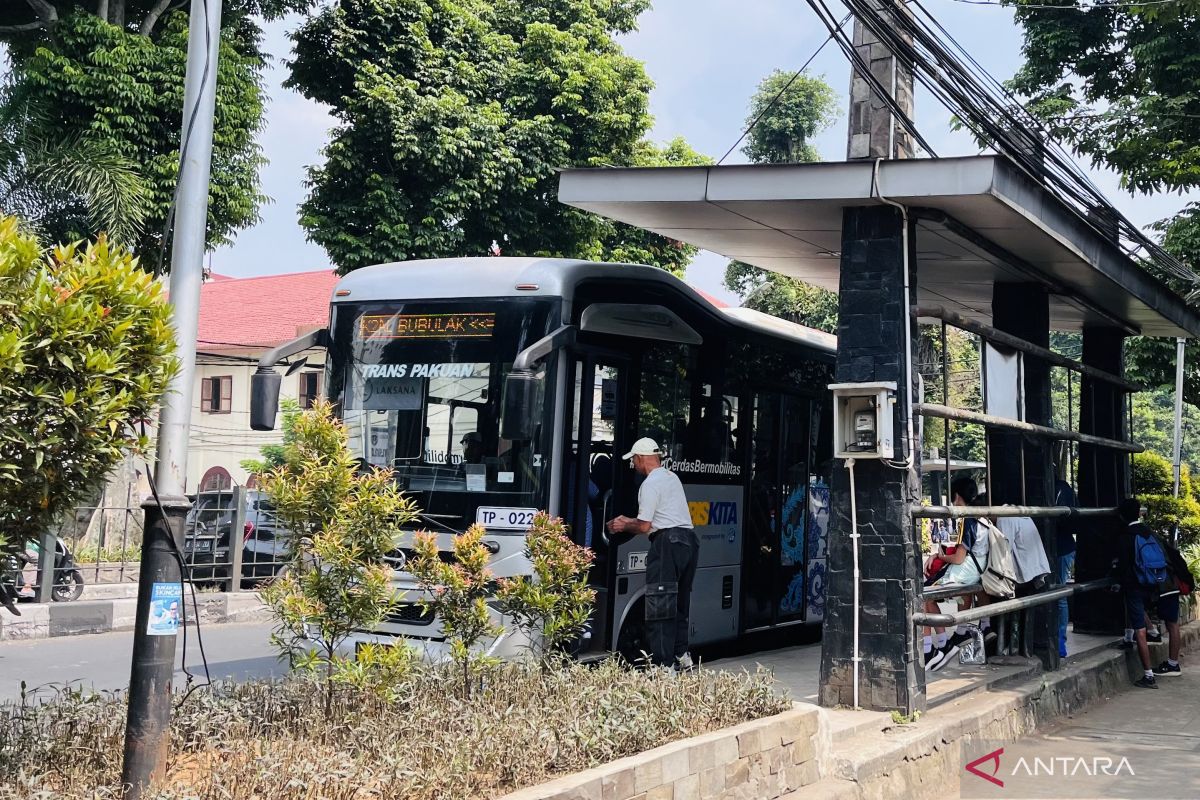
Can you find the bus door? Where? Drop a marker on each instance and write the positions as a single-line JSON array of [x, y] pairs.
[[595, 485], [775, 559]]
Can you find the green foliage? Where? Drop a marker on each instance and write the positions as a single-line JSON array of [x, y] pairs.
[[453, 118], [86, 351], [92, 110], [1152, 474], [1154, 484], [343, 523], [273, 455], [788, 117], [457, 594], [552, 607], [1121, 84], [783, 297]]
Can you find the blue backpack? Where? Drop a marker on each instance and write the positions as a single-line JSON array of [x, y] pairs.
[[1150, 560]]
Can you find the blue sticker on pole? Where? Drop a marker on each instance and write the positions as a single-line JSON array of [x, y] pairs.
[[165, 609]]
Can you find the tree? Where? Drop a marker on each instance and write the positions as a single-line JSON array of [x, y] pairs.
[[86, 351], [786, 112], [1120, 83], [273, 456], [98, 87], [453, 119], [343, 523]]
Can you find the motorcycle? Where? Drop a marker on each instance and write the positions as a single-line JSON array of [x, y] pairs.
[[68, 580]]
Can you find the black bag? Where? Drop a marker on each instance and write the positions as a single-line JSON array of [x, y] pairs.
[[662, 601], [1185, 581]]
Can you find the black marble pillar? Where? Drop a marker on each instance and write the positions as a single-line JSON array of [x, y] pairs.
[[1103, 479], [1020, 467], [871, 343]]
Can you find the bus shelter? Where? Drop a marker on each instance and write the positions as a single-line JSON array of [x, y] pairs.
[[970, 242]]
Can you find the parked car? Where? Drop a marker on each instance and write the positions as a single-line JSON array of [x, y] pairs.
[[208, 535]]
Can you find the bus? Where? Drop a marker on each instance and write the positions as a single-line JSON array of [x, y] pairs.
[[497, 387]]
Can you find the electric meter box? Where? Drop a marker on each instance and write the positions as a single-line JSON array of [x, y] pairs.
[[863, 420]]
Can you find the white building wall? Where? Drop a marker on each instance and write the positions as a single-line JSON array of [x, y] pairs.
[[225, 439]]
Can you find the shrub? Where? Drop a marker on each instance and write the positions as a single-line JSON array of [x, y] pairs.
[[342, 523], [458, 594], [553, 607], [1152, 474], [277, 740], [86, 350]]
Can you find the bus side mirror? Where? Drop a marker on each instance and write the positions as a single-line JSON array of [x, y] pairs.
[[264, 399], [519, 410]]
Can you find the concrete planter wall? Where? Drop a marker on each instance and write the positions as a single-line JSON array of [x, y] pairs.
[[760, 760]]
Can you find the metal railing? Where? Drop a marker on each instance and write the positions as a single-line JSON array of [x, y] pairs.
[[234, 544], [965, 512], [944, 620]]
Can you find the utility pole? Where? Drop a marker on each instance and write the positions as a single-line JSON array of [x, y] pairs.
[[874, 132], [1177, 461], [146, 732]]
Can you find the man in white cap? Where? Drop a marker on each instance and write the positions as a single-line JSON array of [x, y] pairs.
[[671, 562]]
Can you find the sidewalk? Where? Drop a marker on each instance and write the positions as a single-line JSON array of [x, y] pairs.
[[48, 620]]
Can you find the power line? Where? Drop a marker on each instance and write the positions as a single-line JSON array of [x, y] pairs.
[[1080, 7], [782, 92]]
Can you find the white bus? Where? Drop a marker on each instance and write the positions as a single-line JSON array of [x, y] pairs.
[[495, 387]]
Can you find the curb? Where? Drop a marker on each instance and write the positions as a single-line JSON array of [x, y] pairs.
[[49, 620]]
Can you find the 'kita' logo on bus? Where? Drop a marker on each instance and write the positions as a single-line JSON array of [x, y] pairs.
[[708, 512]]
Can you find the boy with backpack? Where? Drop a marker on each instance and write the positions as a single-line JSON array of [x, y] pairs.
[[1145, 574]]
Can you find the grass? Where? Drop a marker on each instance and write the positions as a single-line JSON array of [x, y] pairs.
[[90, 554], [273, 740]]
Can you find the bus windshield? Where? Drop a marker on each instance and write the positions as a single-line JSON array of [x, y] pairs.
[[419, 387]]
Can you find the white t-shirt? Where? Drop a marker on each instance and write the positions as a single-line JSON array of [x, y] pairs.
[[661, 501]]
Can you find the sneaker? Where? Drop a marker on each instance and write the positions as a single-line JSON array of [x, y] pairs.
[[684, 663], [1154, 638], [932, 658], [1122, 645], [1146, 683], [948, 652], [1166, 669], [959, 639]]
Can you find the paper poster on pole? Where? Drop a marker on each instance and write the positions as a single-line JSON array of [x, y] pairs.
[[165, 609]]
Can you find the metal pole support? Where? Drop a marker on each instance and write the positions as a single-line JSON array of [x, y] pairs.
[[153, 669], [44, 592], [236, 534]]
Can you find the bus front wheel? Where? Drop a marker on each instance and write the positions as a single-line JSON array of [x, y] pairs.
[[633, 644]]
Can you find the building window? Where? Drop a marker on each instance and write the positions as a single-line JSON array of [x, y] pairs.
[[309, 388], [216, 394]]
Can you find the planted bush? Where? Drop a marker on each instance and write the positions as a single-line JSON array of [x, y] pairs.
[[86, 351], [553, 606], [343, 523], [424, 742], [458, 594]]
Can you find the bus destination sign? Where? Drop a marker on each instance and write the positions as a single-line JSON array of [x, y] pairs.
[[468, 325]]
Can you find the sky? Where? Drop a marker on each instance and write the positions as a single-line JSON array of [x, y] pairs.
[[706, 58]]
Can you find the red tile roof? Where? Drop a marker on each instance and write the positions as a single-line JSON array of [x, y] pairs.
[[263, 311]]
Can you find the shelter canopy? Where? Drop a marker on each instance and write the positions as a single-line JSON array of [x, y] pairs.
[[979, 221]]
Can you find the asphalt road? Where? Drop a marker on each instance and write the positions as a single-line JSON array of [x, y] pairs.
[[101, 662]]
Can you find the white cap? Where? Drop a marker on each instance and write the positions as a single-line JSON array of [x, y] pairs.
[[643, 447]]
